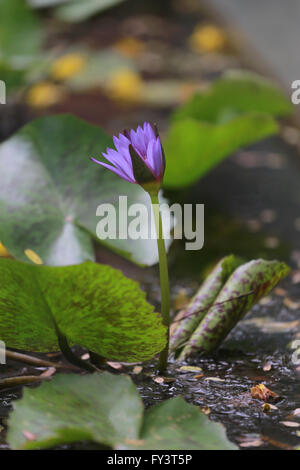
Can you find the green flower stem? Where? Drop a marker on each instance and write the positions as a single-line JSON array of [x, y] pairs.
[[164, 279], [70, 356]]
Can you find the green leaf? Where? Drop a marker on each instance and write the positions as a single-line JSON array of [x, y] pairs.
[[245, 287], [175, 424], [50, 191], [102, 408], [76, 10], [107, 409], [20, 33], [93, 305], [187, 320], [235, 93], [193, 148]]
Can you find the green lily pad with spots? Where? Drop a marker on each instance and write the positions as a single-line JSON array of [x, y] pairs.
[[50, 192], [93, 305], [108, 410]]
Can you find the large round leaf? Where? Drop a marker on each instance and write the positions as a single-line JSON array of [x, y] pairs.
[[93, 305], [50, 191], [107, 409]]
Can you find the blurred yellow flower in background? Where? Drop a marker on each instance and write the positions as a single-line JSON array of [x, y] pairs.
[[67, 66], [207, 38], [33, 256], [129, 46], [43, 94], [3, 251], [125, 84]]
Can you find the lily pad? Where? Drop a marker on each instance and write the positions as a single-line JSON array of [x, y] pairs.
[[76, 10], [20, 33], [235, 93], [237, 110], [93, 305], [50, 191], [193, 147], [107, 409]]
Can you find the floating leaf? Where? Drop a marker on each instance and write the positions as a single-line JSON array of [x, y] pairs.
[[245, 287], [234, 112], [107, 409], [188, 319], [193, 148], [93, 305], [50, 191], [20, 33], [237, 92], [76, 10]]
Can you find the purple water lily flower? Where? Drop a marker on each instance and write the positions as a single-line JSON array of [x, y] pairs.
[[139, 156]]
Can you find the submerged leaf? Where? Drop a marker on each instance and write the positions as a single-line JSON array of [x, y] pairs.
[[107, 409], [245, 287], [93, 305]]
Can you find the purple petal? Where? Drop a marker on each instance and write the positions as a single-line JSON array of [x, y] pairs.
[[149, 132], [158, 157], [120, 161], [151, 156], [117, 171]]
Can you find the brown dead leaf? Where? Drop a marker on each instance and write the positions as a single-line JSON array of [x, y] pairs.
[[49, 372], [181, 300], [199, 376], [261, 392], [252, 443], [265, 301], [137, 370], [267, 367], [114, 365], [295, 275], [158, 380], [205, 410], [166, 380], [279, 291], [290, 424], [291, 304], [190, 369], [215, 379], [268, 325]]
